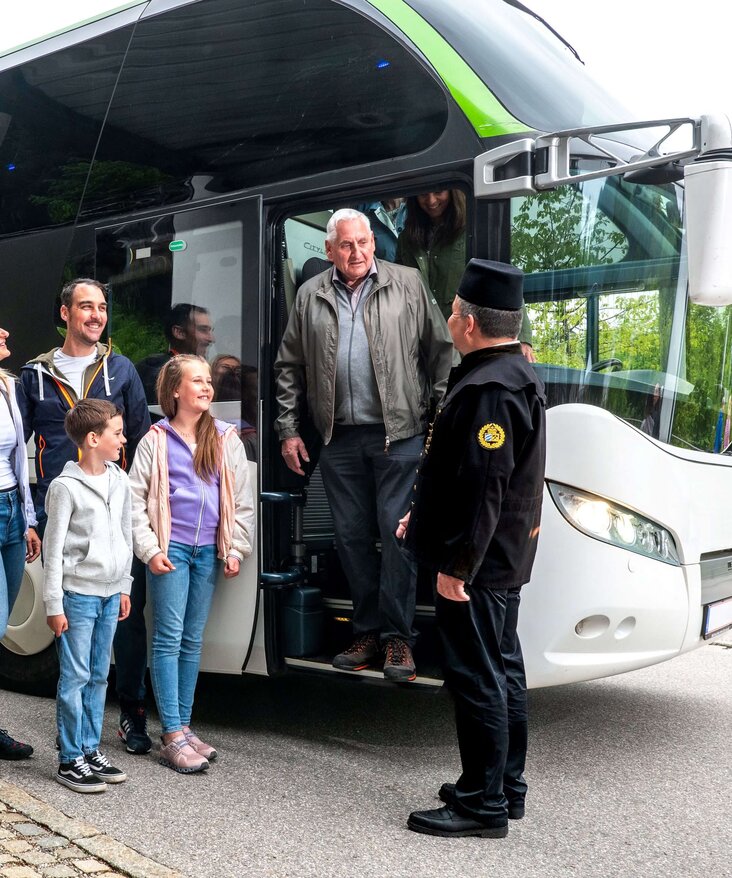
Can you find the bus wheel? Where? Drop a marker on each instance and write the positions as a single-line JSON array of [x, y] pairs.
[[28, 661]]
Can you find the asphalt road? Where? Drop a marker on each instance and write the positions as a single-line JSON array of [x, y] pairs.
[[629, 776]]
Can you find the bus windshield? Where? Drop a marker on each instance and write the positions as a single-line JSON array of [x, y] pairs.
[[606, 293], [532, 72]]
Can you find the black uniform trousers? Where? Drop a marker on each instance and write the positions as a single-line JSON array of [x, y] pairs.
[[484, 671]]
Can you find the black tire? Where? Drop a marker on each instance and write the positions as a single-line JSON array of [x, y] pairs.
[[29, 674]]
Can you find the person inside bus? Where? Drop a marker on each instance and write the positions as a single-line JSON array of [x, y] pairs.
[[188, 330], [192, 512], [433, 240], [19, 542], [234, 382], [387, 222], [369, 398]]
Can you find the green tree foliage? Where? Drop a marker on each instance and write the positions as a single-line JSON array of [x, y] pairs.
[[63, 194]]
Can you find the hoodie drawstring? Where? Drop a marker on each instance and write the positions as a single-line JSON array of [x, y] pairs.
[[39, 373], [107, 388]]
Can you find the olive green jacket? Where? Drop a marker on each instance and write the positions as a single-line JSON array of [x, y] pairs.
[[410, 347], [442, 268]]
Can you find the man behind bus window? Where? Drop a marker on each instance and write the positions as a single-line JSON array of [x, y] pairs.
[[188, 330], [51, 385], [376, 348]]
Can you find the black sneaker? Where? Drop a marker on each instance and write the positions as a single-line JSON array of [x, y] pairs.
[[79, 777], [399, 664], [359, 654], [133, 730], [12, 749], [103, 768]]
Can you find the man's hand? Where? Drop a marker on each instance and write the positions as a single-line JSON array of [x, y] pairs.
[[295, 454], [32, 545], [231, 568], [528, 352], [450, 588], [403, 525], [160, 564], [124, 606], [57, 624]]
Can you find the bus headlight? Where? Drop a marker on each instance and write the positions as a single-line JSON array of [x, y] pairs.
[[606, 521]]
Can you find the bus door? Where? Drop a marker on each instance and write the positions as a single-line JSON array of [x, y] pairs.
[[189, 282]]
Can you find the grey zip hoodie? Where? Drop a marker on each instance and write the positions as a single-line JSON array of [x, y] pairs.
[[87, 545]]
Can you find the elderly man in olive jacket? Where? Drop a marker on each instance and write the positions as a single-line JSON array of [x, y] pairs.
[[474, 524], [368, 349]]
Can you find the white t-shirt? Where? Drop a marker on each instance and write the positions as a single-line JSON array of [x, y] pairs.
[[101, 483], [73, 368], [8, 441]]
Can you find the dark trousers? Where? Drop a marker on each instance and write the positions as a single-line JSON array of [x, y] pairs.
[[484, 671], [130, 643], [369, 491]]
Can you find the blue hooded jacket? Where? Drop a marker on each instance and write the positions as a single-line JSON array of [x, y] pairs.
[[44, 397]]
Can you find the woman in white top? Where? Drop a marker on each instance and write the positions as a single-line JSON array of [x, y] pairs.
[[19, 541]]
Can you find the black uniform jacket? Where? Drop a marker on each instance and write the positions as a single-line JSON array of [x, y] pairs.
[[477, 502]]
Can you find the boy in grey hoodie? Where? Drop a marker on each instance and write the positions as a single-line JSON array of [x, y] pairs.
[[87, 559]]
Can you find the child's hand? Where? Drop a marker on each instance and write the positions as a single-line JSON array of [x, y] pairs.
[[58, 624], [124, 606], [160, 564], [231, 568]]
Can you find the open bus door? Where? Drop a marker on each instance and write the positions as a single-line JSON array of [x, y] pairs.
[[189, 281]]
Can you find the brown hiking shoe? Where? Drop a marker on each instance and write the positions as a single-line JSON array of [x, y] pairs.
[[399, 664], [359, 654]]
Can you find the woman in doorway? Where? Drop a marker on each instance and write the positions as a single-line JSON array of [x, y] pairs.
[[193, 511], [19, 542], [433, 241]]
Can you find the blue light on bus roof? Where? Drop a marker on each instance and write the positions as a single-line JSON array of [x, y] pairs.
[[10, 167], [381, 65]]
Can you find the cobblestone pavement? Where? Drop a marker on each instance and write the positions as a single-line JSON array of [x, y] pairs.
[[38, 841]]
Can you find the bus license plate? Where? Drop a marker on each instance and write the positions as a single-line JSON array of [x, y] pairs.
[[717, 617]]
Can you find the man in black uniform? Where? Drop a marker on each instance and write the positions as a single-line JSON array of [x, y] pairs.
[[475, 523]]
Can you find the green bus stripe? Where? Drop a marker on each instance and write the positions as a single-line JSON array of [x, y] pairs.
[[485, 112]]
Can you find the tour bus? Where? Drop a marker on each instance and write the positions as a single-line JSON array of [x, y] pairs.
[[191, 151]]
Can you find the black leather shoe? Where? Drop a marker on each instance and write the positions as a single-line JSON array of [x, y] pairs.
[[449, 824], [447, 794]]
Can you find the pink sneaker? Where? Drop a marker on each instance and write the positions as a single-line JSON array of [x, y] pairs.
[[181, 757], [203, 749]]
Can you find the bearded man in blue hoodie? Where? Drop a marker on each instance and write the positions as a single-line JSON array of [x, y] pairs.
[[50, 386]]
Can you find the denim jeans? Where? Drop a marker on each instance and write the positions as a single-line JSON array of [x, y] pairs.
[[84, 653], [180, 601], [12, 553]]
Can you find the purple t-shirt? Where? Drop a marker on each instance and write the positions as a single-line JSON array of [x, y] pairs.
[[194, 501]]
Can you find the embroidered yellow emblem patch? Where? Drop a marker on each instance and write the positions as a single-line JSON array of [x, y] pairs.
[[491, 436]]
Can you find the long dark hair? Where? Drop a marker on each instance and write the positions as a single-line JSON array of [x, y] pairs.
[[419, 230]]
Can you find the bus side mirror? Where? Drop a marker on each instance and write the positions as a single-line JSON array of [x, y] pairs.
[[708, 215]]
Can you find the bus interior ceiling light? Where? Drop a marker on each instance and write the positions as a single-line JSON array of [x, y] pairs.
[[613, 524]]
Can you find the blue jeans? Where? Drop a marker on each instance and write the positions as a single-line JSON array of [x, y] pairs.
[[180, 601], [12, 553], [84, 653]]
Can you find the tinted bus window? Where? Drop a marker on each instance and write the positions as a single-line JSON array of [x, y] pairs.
[[221, 95], [51, 113]]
